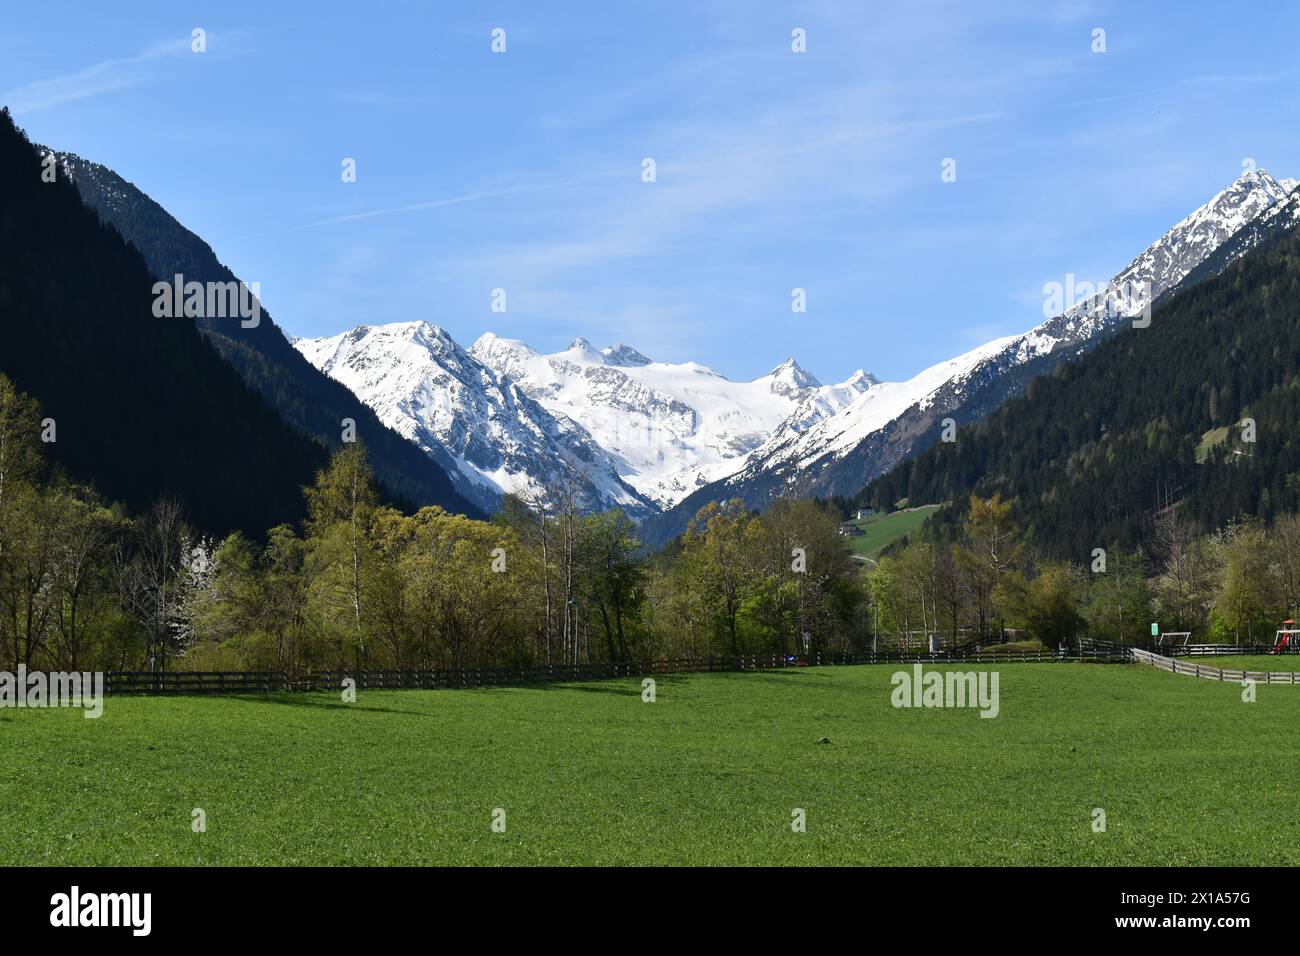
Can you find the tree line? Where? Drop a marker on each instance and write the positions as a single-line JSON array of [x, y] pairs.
[[84, 584], [991, 581]]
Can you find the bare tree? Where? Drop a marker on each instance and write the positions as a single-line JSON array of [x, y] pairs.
[[154, 575]]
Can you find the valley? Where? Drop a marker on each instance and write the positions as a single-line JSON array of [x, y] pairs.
[[597, 436]]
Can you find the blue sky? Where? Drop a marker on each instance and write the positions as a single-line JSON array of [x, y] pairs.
[[775, 170]]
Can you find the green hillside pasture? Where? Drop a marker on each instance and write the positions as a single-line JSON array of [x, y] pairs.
[[883, 530], [1209, 441]]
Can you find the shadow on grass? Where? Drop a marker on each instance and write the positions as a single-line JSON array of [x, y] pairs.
[[613, 685], [621, 685], [617, 686], [774, 676], [314, 701]]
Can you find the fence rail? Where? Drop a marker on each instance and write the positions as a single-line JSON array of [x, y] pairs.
[[1224, 650], [192, 682], [261, 682], [244, 682], [1205, 671]]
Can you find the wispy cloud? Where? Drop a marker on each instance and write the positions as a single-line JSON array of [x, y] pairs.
[[712, 170], [450, 201], [397, 210], [106, 76]]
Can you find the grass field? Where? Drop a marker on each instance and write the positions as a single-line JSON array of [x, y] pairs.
[[883, 530], [708, 774], [1209, 441]]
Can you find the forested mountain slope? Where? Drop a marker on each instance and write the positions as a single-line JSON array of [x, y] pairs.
[[308, 400], [1200, 411], [142, 406]]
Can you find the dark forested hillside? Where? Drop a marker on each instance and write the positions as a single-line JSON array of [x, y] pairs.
[[306, 398], [1155, 418], [143, 407]]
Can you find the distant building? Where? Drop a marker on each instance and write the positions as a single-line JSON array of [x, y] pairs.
[[865, 513], [849, 530]]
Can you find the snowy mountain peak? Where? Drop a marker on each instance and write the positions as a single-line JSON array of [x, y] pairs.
[[1259, 178], [624, 356], [1254, 186], [491, 342], [427, 334], [860, 381], [584, 349], [500, 354], [1249, 194], [789, 379]]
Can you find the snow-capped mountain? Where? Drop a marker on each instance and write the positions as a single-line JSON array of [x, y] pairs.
[[673, 427], [654, 436], [1158, 270], [890, 422], [426, 387], [643, 434]]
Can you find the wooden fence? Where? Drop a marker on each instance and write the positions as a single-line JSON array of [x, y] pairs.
[[193, 682], [261, 682], [1175, 666], [245, 682], [1103, 652], [1223, 650]]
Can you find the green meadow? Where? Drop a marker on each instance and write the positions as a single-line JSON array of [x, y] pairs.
[[711, 772], [880, 531]]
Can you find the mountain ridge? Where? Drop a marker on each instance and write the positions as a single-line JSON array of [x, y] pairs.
[[141, 407], [1092, 456], [308, 401]]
